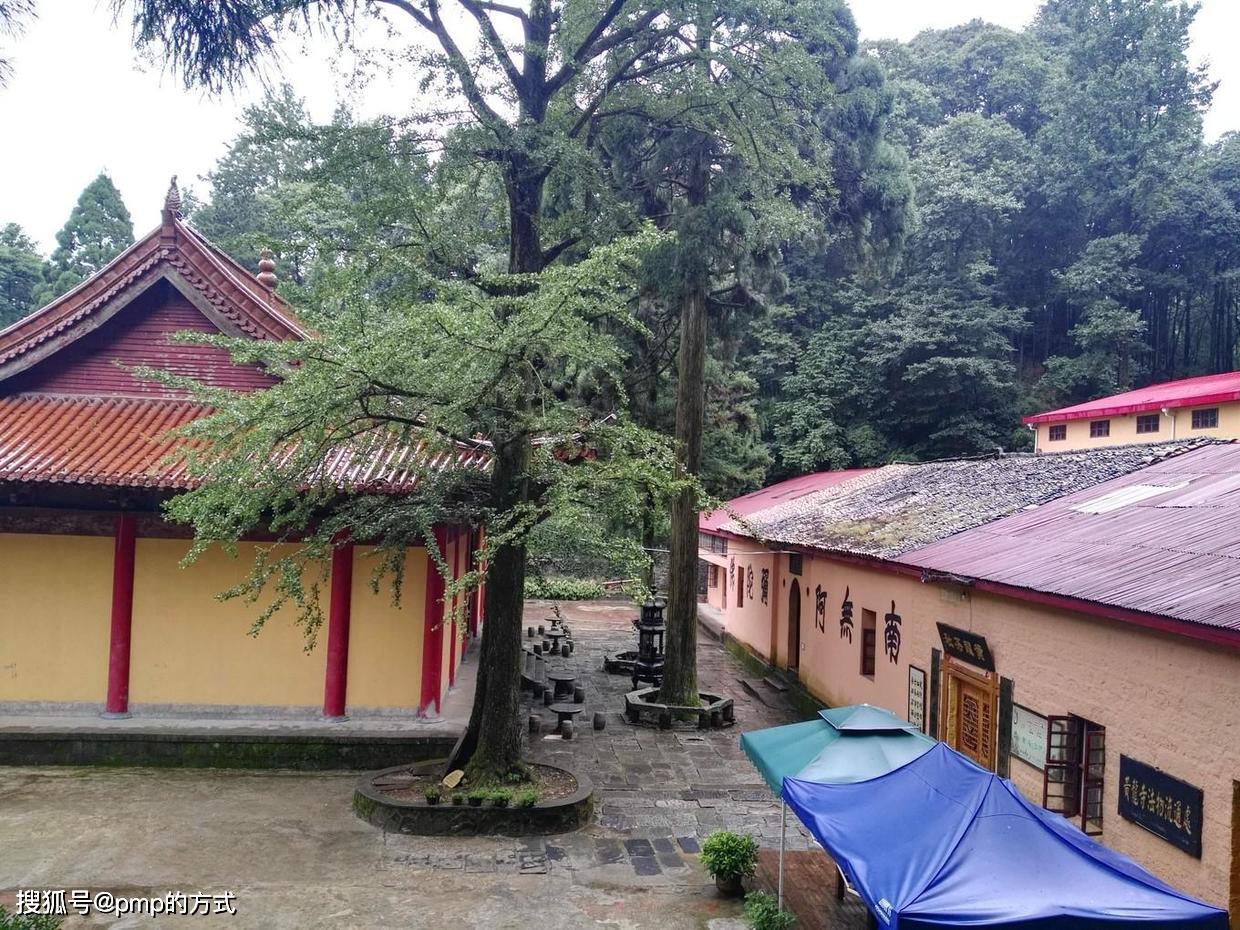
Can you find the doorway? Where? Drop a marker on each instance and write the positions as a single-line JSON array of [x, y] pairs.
[[969, 715], [794, 627]]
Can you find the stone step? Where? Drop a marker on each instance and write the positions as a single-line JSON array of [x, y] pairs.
[[775, 683]]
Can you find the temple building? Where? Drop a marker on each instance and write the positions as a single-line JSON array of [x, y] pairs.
[[1205, 407], [97, 613], [1068, 620]]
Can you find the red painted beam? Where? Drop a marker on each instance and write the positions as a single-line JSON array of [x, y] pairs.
[[122, 616], [335, 688], [432, 637]]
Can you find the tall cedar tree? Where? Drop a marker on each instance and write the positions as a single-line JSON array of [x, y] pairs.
[[98, 230], [21, 271]]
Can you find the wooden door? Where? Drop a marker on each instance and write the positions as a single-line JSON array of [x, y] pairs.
[[971, 718], [794, 627]]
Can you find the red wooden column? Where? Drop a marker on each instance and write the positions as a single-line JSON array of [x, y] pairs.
[[122, 617], [453, 631], [335, 688], [432, 637]]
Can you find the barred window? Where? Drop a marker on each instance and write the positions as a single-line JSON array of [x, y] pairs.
[[1099, 429], [1057, 432], [1148, 423]]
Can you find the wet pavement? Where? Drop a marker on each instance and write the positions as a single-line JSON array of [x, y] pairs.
[[288, 846]]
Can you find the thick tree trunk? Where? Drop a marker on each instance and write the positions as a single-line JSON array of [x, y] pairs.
[[492, 742], [491, 745], [680, 664]]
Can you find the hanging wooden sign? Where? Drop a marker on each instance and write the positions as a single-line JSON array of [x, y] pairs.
[[1161, 803], [966, 646]]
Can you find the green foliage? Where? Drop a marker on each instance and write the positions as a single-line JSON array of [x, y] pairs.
[[27, 921], [562, 589], [432, 794], [417, 358], [98, 229], [21, 273], [729, 855], [526, 798], [762, 910], [500, 797]]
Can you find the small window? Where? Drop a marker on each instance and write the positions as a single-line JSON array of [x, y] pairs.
[[1099, 429], [714, 576], [1057, 433], [740, 587], [1148, 423], [794, 563], [1205, 419], [869, 637], [1074, 772]]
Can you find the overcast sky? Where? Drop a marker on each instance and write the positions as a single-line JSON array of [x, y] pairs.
[[81, 101]]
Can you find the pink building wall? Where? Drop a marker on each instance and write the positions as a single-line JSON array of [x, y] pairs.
[[1165, 700]]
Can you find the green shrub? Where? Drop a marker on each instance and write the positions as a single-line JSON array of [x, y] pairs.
[[501, 797], [527, 798], [729, 855], [477, 796], [433, 794], [763, 912], [27, 921], [562, 589]]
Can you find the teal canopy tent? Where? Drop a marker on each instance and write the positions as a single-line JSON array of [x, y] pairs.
[[845, 745]]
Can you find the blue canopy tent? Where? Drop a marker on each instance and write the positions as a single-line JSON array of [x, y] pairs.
[[846, 744], [941, 842]]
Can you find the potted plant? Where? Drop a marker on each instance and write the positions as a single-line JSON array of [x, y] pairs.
[[458, 799], [730, 858], [500, 797], [476, 797], [527, 798], [432, 794]]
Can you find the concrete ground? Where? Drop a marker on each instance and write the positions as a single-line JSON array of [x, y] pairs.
[[289, 848]]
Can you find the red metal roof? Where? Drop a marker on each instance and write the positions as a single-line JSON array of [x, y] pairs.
[[1189, 392], [775, 494], [123, 442], [1164, 540]]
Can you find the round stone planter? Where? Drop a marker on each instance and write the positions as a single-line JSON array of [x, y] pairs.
[[420, 819], [642, 707]]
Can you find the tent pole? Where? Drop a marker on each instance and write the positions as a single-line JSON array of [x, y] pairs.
[[783, 828]]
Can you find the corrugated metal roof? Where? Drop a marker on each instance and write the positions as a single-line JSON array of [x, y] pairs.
[[779, 493], [1175, 553], [898, 508], [1187, 392], [123, 442]]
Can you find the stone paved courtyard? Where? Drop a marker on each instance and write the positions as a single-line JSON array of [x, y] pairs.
[[288, 845]]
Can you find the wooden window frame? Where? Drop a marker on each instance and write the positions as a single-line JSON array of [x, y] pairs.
[[1143, 421], [796, 564], [1074, 774], [869, 643], [1057, 432], [1199, 417], [1099, 429]]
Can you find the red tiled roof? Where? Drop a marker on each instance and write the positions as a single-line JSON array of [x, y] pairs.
[[775, 494], [123, 442], [1189, 392], [1162, 540]]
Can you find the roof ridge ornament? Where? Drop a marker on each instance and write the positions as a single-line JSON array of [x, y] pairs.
[[267, 269], [170, 214]]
